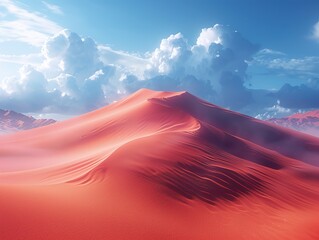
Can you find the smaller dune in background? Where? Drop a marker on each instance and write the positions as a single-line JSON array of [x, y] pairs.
[[307, 122]]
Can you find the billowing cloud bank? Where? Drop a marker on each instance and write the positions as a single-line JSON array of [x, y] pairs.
[[214, 68], [78, 75]]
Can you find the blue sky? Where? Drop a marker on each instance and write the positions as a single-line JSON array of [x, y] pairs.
[[139, 25], [280, 41]]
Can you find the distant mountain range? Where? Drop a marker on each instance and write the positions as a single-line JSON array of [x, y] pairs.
[[11, 121], [307, 122]]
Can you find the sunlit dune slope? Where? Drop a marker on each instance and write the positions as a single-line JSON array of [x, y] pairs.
[[159, 165]]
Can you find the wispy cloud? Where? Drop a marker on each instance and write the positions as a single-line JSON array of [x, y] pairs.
[[25, 26], [307, 65], [277, 62], [270, 52], [315, 32], [53, 8], [134, 64], [33, 59]]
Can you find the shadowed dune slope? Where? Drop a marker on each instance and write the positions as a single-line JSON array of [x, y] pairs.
[[159, 165]]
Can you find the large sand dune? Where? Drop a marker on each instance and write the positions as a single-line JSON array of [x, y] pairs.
[[159, 165]]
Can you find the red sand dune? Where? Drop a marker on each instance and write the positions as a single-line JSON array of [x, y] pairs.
[[307, 122], [159, 165], [11, 121]]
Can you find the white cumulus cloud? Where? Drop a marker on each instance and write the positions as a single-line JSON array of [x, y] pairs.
[[219, 58], [209, 36], [70, 79], [77, 75]]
